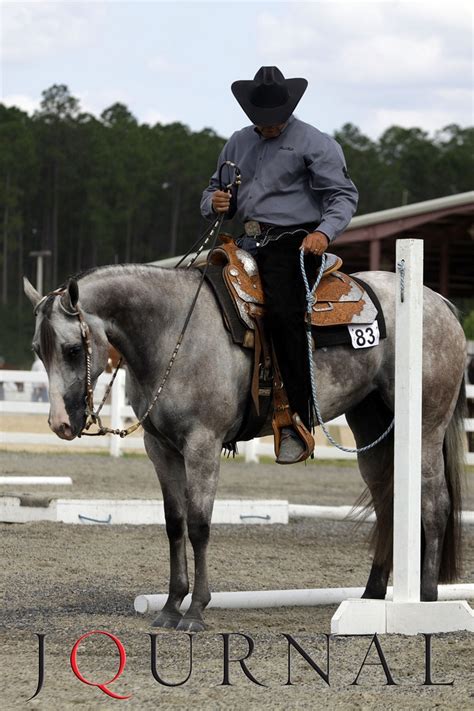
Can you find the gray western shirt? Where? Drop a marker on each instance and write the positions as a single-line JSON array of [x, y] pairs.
[[298, 178]]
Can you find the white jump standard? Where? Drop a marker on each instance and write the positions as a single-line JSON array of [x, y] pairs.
[[406, 614]]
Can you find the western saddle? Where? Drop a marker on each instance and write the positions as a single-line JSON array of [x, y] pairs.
[[339, 300]]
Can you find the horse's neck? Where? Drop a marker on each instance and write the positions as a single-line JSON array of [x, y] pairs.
[[135, 305]]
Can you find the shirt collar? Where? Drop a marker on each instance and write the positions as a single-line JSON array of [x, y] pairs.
[[290, 120]]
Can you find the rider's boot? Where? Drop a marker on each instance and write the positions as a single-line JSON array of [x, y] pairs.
[[293, 442]]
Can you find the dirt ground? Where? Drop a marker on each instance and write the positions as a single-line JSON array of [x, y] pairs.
[[64, 580]]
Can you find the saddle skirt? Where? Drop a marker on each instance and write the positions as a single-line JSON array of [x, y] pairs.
[[339, 299]]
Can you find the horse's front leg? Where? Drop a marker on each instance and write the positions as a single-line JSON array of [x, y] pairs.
[[171, 472], [202, 458]]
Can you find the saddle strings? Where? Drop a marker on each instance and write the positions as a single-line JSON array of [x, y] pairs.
[[310, 301]]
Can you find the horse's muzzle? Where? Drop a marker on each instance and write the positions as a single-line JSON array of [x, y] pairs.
[[63, 430]]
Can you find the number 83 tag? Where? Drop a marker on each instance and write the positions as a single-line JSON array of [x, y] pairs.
[[365, 335]]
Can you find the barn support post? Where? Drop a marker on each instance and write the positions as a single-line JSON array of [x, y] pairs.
[[375, 252]]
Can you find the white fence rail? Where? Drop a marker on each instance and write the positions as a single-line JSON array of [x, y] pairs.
[[19, 403]]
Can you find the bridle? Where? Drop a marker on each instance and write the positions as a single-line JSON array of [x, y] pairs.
[[93, 417]]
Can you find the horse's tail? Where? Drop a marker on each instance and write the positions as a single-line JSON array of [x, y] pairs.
[[453, 452]]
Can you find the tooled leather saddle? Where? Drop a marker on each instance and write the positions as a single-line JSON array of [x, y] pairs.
[[339, 300], [232, 273]]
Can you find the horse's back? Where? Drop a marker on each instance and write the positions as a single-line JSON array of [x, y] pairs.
[[444, 342]]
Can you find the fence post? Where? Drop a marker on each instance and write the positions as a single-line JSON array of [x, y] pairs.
[[251, 451], [117, 402]]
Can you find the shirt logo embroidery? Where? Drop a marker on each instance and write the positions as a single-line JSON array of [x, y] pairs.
[[286, 148]]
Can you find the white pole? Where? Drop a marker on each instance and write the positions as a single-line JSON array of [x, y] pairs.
[[254, 599], [28, 480], [39, 274], [408, 391]]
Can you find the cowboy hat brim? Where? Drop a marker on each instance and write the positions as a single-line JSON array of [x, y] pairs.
[[268, 116]]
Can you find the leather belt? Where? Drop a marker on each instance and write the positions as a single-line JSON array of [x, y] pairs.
[[253, 228]]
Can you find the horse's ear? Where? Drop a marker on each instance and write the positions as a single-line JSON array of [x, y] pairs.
[[73, 291], [31, 292], [70, 296]]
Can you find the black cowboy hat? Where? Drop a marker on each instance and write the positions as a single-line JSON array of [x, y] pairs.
[[270, 98]]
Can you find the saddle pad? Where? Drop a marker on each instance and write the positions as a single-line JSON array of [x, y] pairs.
[[232, 320]]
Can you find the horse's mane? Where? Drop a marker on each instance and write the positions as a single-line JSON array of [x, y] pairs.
[[112, 269], [47, 334]]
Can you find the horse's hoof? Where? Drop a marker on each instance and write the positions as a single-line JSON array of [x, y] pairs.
[[169, 620], [191, 625]]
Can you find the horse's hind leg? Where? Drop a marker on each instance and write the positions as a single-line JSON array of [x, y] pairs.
[[367, 421], [171, 472], [202, 471], [435, 510]]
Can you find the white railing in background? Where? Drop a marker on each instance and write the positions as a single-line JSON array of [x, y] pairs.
[[19, 403]]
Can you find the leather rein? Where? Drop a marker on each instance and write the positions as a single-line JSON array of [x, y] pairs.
[[93, 417]]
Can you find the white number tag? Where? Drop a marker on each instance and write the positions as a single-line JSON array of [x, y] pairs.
[[364, 336]]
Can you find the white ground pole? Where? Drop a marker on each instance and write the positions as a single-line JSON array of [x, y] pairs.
[[406, 614], [254, 599], [35, 480]]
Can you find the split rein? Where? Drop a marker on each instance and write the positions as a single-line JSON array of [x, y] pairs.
[[93, 417]]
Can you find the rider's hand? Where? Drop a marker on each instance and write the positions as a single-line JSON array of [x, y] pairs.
[[315, 243], [221, 201]]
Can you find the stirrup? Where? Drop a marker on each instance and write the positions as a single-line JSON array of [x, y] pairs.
[[305, 437]]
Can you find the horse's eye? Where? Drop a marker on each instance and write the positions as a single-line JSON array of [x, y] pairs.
[[73, 351]]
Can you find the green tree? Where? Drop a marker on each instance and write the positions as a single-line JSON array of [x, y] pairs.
[[55, 124], [410, 159], [468, 326], [17, 173], [365, 167], [455, 159]]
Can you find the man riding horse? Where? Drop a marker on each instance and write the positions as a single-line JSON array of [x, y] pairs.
[[295, 194]]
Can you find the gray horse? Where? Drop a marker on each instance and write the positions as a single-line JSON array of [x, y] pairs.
[[140, 310]]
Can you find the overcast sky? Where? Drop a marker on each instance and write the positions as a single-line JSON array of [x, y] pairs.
[[373, 63]]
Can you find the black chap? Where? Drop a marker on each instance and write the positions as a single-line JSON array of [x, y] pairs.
[[280, 271]]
